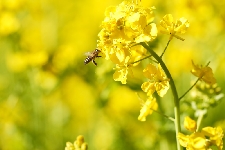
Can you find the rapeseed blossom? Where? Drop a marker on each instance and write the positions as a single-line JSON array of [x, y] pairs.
[[203, 73], [195, 141], [158, 81], [172, 27], [125, 26], [203, 139], [215, 136], [149, 106]]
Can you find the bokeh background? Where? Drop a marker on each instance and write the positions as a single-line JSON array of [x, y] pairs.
[[48, 96]]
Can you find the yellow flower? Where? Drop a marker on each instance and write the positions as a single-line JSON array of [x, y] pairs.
[[122, 68], [148, 108], [158, 81], [204, 73], [195, 141], [144, 34], [120, 50], [215, 135], [124, 65], [172, 27], [202, 140], [190, 124], [121, 71], [123, 26]]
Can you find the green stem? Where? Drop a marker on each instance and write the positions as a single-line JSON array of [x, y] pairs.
[[165, 49], [170, 118], [189, 88], [199, 121], [193, 84], [174, 91], [141, 59]]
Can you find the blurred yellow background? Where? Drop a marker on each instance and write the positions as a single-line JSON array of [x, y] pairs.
[[48, 96]]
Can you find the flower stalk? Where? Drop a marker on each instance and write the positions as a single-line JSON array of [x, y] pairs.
[[141, 59], [174, 91], [200, 118], [165, 49], [190, 88]]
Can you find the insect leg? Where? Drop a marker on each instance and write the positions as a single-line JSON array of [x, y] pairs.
[[94, 62]]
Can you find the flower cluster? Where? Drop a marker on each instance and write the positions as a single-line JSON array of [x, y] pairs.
[[123, 27], [203, 139], [79, 144]]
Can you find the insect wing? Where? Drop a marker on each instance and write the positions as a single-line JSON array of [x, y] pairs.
[[88, 53]]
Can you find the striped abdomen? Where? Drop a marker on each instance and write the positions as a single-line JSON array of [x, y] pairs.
[[87, 60]]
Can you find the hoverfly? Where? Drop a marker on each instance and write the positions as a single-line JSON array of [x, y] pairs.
[[91, 56]]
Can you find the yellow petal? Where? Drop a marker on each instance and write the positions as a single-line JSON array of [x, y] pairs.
[[183, 139], [181, 25], [121, 75], [148, 108], [148, 87], [153, 31], [197, 141], [190, 124], [208, 76], [150, 71], [167, 21], [162, 87], [205, 73]]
